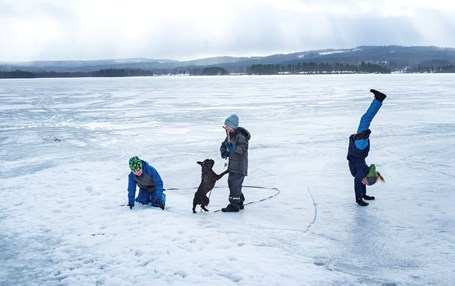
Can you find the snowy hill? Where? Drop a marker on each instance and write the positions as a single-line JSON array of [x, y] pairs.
[[394, 58]]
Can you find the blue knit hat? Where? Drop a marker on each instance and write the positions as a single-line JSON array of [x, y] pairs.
[[232, 121]]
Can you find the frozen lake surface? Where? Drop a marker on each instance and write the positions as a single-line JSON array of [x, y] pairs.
[[65, 145]]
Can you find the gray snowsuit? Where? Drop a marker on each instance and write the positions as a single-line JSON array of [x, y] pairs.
[[238, 163]]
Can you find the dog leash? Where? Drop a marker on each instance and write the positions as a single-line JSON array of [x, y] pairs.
[[277, 192]]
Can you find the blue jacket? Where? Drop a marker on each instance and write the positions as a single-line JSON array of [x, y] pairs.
[[354, 153], [149, 182], [357, 166]]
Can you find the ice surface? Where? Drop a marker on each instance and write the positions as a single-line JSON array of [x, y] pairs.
[[65, 144]]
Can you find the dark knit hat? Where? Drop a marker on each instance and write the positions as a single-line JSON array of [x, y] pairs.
[[232, 121], [135, 164]]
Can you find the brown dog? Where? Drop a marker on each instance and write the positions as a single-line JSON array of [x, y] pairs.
[[209, 178]]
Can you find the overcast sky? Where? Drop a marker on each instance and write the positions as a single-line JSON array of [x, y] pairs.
[[191, 29]]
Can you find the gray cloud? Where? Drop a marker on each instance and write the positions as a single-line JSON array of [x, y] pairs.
[[100, 29]]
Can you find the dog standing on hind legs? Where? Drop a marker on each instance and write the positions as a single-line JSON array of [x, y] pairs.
[[208, 180]]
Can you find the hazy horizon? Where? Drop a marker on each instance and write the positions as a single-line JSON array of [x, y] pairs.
[[220, 56]]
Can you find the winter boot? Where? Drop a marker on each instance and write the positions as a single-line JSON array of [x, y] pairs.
[[362, 135], [230, 209], [361, 202], [368, 198], [242, 199], [378, 95]]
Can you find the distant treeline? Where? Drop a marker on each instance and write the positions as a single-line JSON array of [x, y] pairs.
[[209, 71], [434, 66], [112, 73], [100, 73], [314, 68]]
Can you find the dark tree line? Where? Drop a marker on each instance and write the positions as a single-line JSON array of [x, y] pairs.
[[17, 74], [209, 71], [315, 68], [121, 73], [100, 73], [433, 66], [113, 73]]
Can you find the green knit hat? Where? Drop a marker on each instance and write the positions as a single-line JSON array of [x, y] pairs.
[[135, 164], [372, 175]]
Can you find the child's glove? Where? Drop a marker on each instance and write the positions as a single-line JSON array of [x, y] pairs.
[[230, 147], [131, 206], [160, 203], [224, 154]]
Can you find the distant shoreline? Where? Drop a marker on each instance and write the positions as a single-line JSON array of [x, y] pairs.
[[30, 75]]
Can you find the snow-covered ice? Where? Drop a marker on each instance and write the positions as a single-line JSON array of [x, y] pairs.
[[65, 145]]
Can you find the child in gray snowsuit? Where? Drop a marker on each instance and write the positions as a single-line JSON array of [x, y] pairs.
[[235, 147]]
